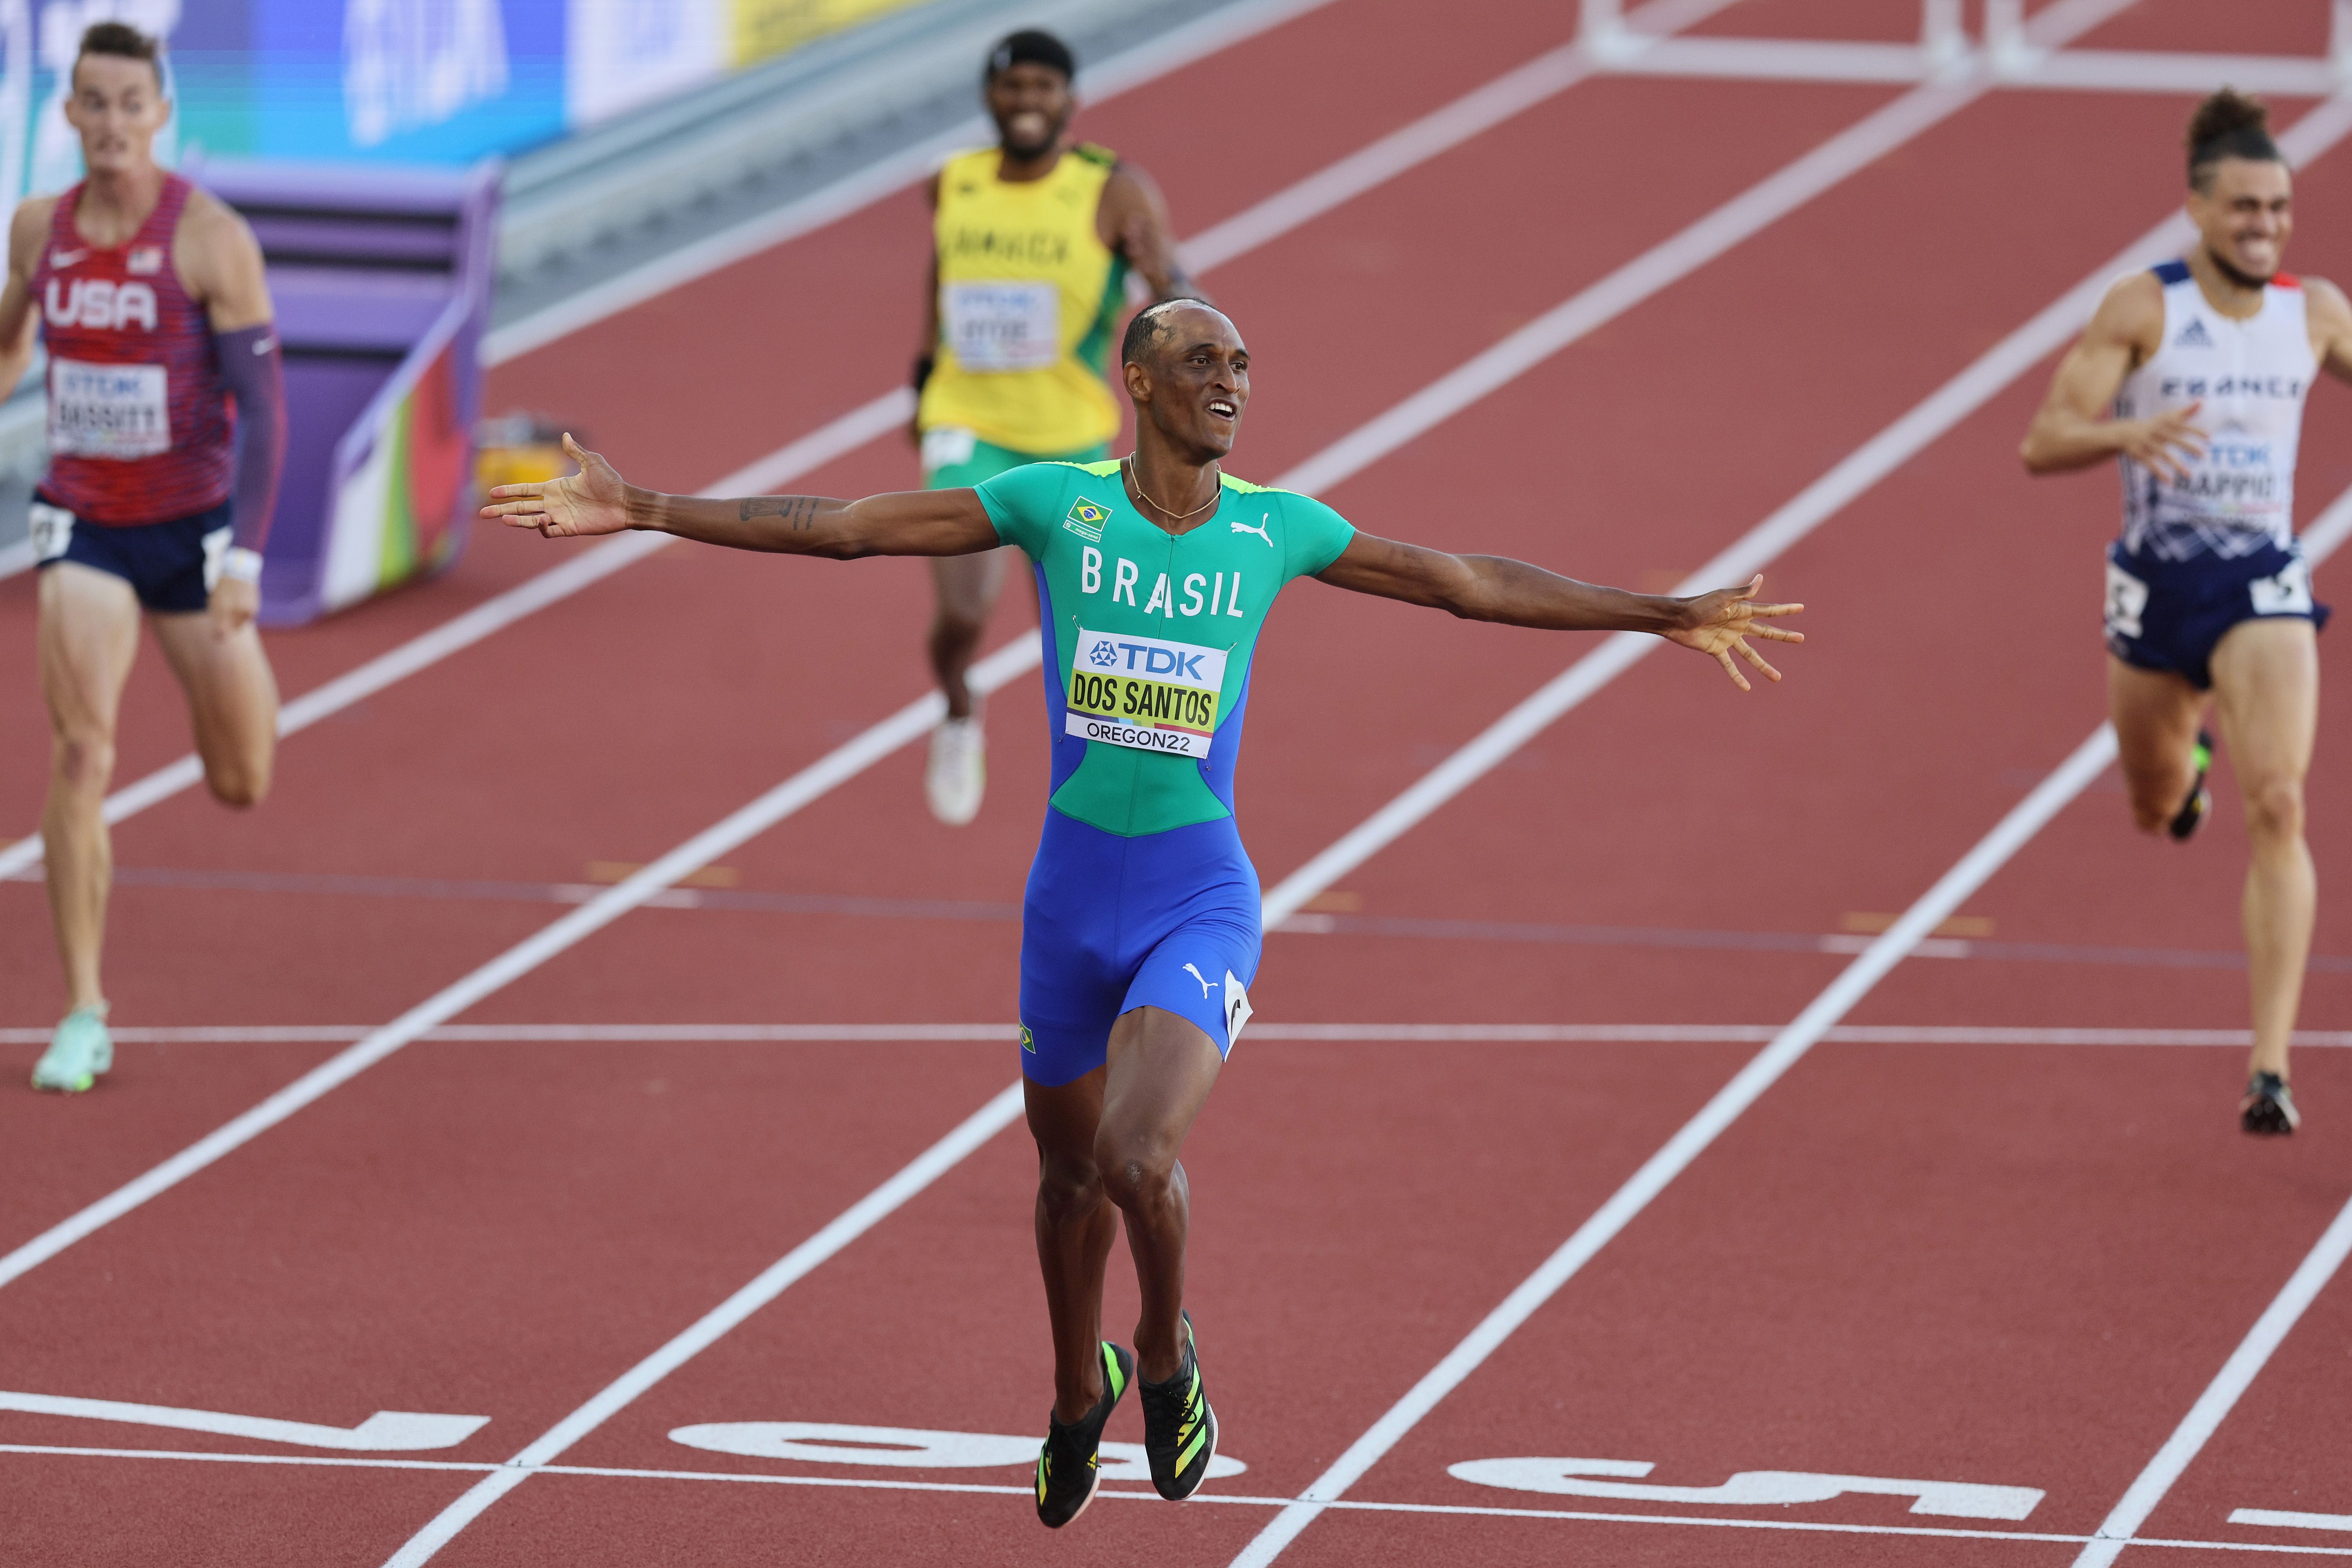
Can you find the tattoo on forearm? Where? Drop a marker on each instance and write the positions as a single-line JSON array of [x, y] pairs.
[[798, 512]]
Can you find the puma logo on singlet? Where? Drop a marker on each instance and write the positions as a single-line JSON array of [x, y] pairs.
[[1205, 987], [1259, 530]]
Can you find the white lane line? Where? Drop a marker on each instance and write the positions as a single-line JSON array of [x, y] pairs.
[[1260, 1029], [1934, 907], [2220, 1396], [852, 1222], [2238, 1373], [861, 1483], [1277, 215], [796, 792]]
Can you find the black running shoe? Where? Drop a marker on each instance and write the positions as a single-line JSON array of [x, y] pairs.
[[1070, 1465], [2200, 804], [1179, 1430], [2267, 1109]]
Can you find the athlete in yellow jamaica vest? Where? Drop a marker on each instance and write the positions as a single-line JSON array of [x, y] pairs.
[[1033, 240]]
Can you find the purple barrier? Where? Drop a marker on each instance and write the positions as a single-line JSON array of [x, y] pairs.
[[382, 281]]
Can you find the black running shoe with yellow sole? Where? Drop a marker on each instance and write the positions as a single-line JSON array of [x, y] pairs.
[[2200, 804], [1069, 1466], [2268, 1110], [1179, 1430]]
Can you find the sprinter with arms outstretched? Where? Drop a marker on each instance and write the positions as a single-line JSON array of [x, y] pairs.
[[1141, 925]]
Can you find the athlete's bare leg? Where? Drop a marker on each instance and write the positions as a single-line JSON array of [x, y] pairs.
[[2156, 715], [2266, 690], [88, 636], [1111, 1139], [968, 586], [232, 702]]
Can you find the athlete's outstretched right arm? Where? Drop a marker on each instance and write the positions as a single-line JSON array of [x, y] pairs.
[[2073, 428], [596, 499]]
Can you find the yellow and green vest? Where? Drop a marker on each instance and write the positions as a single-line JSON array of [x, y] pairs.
[[1028, 297]]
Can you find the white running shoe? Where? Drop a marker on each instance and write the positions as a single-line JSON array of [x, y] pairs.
[[79, 1053], [958, 774]]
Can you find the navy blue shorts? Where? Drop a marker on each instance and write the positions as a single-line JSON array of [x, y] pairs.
[[2171, 614], [1111, 924], [171, 566]]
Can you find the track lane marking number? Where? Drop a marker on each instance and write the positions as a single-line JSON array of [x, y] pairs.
[[385, 1432], [1746, 1488]]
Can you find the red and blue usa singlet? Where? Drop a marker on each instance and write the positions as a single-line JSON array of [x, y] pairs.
[[139, 425]]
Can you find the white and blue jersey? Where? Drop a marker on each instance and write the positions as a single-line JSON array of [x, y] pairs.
[[2216, 545]]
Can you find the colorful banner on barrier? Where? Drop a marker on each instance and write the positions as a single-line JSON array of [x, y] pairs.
[[406, 82]]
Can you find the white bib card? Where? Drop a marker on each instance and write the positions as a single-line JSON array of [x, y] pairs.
[[1004, 326], [109, 410]]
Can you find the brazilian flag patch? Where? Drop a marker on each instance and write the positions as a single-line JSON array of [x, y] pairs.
[[1086, 518], [1028, 1040]]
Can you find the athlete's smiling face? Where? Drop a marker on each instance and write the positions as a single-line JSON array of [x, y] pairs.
[[1193, 381], [2245, 213], [118, 106], [1030, 103]]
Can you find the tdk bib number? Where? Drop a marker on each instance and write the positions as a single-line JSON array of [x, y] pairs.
[[109, 410], [1145, 692], [997, 327]]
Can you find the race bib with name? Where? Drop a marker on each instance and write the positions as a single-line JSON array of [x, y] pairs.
[[1145, 692], [1004, 326], [109, 410]]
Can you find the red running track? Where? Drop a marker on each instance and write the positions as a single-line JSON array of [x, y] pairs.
[[2006, 1265]]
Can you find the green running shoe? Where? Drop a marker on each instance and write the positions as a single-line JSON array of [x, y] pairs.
[[1069, 1466], [77, 1052], [1179, 1430], [2200, 804]]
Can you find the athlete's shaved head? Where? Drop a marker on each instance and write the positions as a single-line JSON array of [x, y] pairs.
[[1187, 372], [1151, 328]]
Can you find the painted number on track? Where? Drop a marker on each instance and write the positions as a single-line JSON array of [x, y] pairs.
[[385, 1432], [1748, 1488]]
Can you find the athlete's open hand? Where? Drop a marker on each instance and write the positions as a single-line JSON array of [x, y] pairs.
[[594, 500], [2160, 444], [1722, 622]]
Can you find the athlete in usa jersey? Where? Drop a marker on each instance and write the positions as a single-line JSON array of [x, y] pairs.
[[166, 428], [2192, 376], [1141, 936]]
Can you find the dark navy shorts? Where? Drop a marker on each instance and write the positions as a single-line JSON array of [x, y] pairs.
[[171, 566], [2171, 614], [1110, 924]]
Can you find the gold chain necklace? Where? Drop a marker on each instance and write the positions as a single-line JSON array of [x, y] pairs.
[[1174, 516]]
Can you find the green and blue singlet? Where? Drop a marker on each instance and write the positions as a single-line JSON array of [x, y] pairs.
[[1140, 894]]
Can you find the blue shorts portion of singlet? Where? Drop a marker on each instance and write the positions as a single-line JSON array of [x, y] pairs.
[[171, 566], [2171, 614], [1111, 923]]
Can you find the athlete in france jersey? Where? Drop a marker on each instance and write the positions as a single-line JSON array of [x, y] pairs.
[[1141, 930], [2194, 377]]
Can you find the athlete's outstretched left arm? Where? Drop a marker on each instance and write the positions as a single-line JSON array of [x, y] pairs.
[[1494, 588], [596, 500]]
